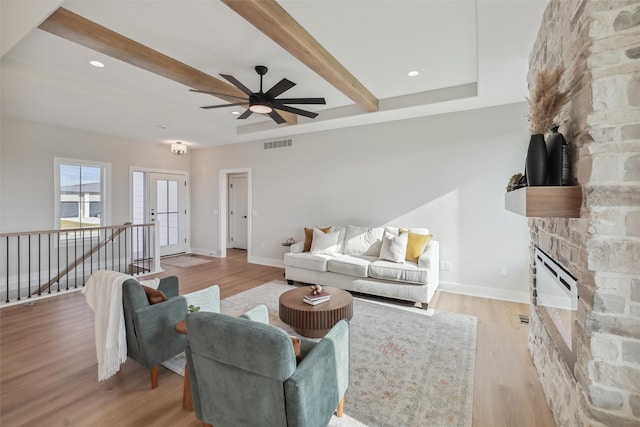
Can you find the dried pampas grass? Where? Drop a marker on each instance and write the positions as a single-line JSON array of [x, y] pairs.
[[547, 100]]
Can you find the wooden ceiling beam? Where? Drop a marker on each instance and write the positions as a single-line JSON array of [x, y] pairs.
[[276, 23], [80, 30]]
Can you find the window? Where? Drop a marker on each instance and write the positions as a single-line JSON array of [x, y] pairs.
[[81, 194]]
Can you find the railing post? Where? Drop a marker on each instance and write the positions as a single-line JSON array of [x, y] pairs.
[[156, 248]]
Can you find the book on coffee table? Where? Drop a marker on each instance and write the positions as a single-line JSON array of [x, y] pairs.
[[316, 299]]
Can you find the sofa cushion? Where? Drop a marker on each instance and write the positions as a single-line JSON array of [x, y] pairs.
[[357, 266], [394, 247], [406, 272], [363, 241], [416, 244], [308, 237], [315, 262], [324, 242]]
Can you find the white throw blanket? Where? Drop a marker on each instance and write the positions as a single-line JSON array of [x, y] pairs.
[[103, 291]]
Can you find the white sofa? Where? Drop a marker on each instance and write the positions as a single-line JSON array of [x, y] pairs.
[[355, 262]]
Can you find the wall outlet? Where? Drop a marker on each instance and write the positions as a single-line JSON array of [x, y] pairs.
[[504, 271]]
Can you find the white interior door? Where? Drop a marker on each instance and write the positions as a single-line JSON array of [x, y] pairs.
[[238, 211], [167, 208]]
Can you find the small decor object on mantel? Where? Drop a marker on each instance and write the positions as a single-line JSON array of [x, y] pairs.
[[517, 181], [558, 158], [537, 161], [545, 104]]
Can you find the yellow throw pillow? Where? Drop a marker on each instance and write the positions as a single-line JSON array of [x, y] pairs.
[[415, 245], [308, 237]]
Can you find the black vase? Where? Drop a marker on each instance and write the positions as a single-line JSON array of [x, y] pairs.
[[537, 161], [554, 153]]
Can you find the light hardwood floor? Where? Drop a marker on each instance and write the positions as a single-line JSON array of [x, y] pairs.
[[48, 368]]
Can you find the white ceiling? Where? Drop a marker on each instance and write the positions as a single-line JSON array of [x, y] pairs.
[[470, 54]]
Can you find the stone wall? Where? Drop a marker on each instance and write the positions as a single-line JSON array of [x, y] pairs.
[[598, 43]]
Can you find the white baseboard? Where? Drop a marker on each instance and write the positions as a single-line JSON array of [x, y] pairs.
[[267, 261], [484, 292]]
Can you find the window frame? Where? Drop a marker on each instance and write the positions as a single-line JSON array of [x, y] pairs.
[[105, 189]]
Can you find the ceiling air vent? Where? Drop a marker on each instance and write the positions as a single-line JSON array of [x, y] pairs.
[[278, 144]]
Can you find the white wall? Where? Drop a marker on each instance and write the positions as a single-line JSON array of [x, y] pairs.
[[26, 169], [446, 172]]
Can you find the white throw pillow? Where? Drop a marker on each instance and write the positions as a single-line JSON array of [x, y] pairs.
[[324, 243], [152, 283], [394, 248], [207, 299], [396, 230], [363, 241]]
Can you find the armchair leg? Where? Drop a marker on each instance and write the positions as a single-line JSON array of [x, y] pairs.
[[154, 376], [340, 407]]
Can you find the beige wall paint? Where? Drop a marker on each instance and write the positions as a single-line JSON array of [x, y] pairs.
[[445, 172], [26, 169]]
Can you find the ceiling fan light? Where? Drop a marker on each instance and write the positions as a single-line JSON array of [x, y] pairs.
[[178, 148], [260, 108]]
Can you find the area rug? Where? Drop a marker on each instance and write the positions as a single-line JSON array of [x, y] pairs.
[[409, 367], [183, 261]]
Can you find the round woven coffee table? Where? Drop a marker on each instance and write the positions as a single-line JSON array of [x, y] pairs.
[[314, 321]]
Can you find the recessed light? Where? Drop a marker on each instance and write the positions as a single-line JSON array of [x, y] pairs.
[[413, 73], [235, 113], [96, 64]]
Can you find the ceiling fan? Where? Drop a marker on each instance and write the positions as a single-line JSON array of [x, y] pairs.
[[265, 102]]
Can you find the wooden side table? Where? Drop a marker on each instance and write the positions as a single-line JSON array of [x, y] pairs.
[[187, 400], [314, 321]]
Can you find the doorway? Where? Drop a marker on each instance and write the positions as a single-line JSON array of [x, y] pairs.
[[240, 222], [237, 215], [167, 208], [161, 198]]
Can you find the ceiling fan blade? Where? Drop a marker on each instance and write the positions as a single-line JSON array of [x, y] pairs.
[[300, 101], [208, 107], [246, 114], [276, 117], [237, 84], [280, 87], [296, 111], [217, 94]]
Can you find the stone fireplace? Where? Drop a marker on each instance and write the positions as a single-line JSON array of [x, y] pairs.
[[598, 43]]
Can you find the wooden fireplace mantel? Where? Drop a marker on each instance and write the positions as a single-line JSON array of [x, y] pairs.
[[549, 202]]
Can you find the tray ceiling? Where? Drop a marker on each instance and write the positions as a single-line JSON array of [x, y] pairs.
[[466, 59]]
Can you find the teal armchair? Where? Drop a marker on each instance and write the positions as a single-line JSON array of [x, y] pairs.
[[151, 329], [243, 372]]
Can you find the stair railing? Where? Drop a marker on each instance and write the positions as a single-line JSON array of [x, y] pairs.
[[41, 263]]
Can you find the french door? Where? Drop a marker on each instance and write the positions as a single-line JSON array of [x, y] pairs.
[[167, 208]]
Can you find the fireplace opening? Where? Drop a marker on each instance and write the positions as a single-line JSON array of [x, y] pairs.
[[557, 303]]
